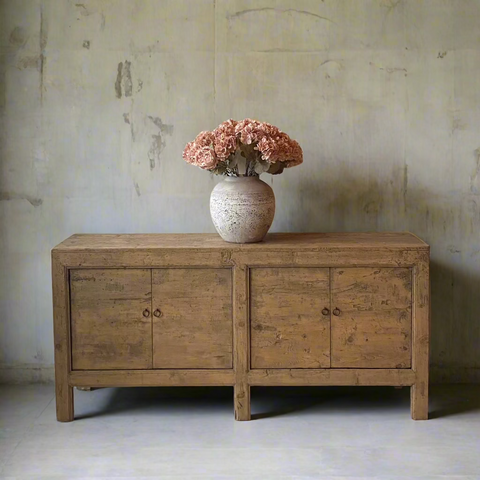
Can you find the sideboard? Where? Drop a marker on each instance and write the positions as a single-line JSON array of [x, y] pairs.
[[193, 310]]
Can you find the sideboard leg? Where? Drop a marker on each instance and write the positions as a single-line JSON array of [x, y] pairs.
[[61, 331], [64, 402], [242, 402], [419, 401], [241, 389], [421, 338]]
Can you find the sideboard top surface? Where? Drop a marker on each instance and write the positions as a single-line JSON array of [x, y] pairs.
[[211, 241]]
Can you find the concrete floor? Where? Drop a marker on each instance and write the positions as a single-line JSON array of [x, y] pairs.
[[323, 433]]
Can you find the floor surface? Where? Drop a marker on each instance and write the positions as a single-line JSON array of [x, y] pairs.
[[190, 433]]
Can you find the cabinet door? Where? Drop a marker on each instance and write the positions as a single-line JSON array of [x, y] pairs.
[[192, 323], [111, 319], [372, 320], [290, 317]]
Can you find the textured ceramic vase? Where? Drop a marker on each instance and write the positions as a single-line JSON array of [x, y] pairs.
[[242, 209]]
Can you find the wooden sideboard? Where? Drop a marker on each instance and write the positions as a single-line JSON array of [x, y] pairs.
[[190, 309]]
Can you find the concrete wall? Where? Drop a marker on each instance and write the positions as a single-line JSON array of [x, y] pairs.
[[99, 97]]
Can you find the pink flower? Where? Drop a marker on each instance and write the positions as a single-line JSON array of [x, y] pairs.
[[280, 148], [201, 151], [187, 152], [249, 131], [205, 158], [211, 148], [225, 140], [205, 139]]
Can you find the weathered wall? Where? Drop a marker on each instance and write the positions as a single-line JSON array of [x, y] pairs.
[[98, 98]]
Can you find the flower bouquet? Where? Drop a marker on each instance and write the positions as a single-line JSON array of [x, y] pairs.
[[242, 206], [247, 148]]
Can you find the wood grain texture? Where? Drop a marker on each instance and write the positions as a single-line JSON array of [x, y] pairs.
[[375, 291], [241, 391], [194, 329], [373, 327], [421, 339], [207, 241], [288, 329], [148, 378], [111, 319], [332, 377], [61, 327]]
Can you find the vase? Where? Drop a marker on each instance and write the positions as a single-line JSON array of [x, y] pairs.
[[242, 209]]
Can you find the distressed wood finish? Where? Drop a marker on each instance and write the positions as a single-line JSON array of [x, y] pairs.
[[146, 378], [192, 318], [241, 390], [287, 326], [111, 319], [241, 315], [91, 243], [61, 330], [421, 339], [373, 325], [332, 377]]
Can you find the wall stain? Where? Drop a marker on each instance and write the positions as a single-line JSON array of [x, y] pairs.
[[29, 62], [458, 124], [126, 119], [7, 196], [391, 5], [127, 79], [158, 141], [390, 70], [372, 207], [85, 12], [123, 80], [118, 81], [139, 85], [441, 54], [18, 37], [86, 44], [476, 173], [405, 187], [332, 68], [137, 189], [42, 43], [241, 13], [83, 9], [163, 127]]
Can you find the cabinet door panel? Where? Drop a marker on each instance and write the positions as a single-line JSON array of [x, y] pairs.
[[374, 326], [194, 327], [109, 329], [288, 328]]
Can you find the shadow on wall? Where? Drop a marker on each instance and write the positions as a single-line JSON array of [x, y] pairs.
[[349, 203]]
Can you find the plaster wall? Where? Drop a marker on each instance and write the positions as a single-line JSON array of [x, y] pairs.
[[99, 97]]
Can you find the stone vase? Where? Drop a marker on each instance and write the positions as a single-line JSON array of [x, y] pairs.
[[242, 209]]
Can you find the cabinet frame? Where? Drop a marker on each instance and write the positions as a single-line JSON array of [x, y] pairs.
[[209, 251]]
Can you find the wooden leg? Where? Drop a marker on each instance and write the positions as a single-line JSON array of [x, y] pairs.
[[61, 329], [64, 400], [241, 390], [419, 401], [421, 336], [242, 402]]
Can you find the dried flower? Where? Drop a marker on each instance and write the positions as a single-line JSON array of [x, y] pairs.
[[225, 139], [260, 143]]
